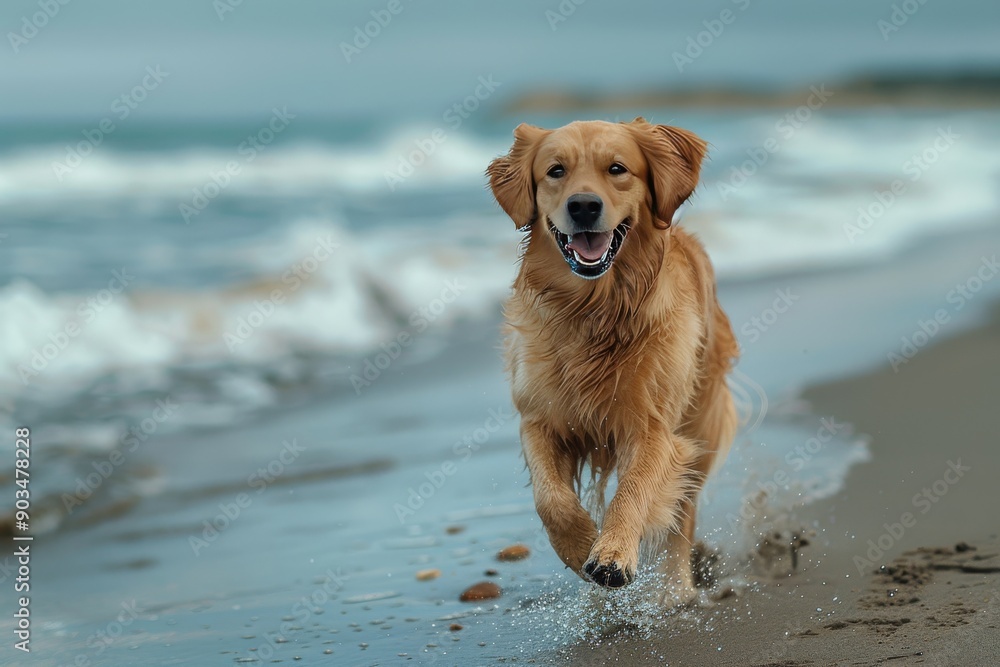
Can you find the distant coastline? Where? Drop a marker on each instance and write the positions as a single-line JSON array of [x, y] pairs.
[[935, 90]]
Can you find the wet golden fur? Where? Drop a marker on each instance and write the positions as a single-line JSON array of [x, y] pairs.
[[626, 372]]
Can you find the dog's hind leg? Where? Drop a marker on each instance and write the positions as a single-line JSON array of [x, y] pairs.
[[712, 427], [674, 564]]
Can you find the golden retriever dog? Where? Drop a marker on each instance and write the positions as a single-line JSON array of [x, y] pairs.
[[617, 348]]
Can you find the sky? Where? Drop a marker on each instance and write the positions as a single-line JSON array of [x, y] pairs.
[[231, 58]]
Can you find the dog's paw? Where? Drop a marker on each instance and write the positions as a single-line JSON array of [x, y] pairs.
[[612, 562], [610, 575]]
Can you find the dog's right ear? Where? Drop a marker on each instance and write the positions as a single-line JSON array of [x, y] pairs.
[[510, 175]]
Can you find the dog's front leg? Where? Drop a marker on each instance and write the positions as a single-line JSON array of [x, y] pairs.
[[653, 479], [571, 530]]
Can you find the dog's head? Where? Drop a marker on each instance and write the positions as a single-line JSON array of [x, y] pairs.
[[590, 183]]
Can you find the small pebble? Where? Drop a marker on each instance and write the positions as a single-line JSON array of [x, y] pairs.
[[454, 530], [455, 627], [484, 590], [427, 575], [514, 552], [491, 572]]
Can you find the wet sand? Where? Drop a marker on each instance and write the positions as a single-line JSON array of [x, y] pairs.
[[911, 571]]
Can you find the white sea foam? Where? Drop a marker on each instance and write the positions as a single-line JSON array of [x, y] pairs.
[[320, 290], [28, 175]]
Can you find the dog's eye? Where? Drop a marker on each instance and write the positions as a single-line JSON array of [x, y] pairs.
[[556, 171], [617, 169]]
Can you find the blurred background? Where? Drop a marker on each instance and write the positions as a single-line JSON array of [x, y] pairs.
[[241, 234]]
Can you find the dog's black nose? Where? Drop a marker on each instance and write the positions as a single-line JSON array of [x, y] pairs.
[[584, 209]]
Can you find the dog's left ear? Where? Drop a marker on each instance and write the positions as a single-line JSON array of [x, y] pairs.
[[510, 175], [674, 156]]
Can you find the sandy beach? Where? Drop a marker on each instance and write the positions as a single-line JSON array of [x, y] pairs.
[[876, 591]]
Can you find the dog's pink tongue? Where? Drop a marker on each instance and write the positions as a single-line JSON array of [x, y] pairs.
[[590, 245]]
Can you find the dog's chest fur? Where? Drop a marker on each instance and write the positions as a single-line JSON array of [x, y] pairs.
[[590, 382]]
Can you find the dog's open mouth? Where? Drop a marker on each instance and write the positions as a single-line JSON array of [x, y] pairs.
[[590, 254]]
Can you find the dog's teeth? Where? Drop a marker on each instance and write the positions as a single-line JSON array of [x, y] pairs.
[[585, 262]]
